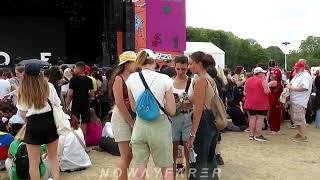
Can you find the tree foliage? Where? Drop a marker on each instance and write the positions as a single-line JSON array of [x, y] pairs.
[[249, 53]]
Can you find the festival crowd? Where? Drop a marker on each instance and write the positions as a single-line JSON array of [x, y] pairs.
[[138, 109]]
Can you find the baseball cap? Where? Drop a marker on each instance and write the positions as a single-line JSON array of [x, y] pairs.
[[87, 70], [258, 70], [151, 54], [127, 56], [32, 69], [299, 65], [276, 71]]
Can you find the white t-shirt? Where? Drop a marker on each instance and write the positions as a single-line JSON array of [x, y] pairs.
[[71, 154], [5, 87], [53, 97], [301, 98], [158, 83], [180, 92]]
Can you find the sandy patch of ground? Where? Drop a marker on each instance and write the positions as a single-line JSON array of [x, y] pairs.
[[279, 159]]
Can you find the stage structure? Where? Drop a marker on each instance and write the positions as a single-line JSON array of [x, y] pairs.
[[92, 31], [70, 30]]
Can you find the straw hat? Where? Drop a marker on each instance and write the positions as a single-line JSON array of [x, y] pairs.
[[127, 56]]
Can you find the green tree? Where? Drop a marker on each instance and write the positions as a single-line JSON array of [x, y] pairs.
[[276, 54]]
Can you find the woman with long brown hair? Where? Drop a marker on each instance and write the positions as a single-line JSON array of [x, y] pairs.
[[122, 120], [35, 100], [204, 134]]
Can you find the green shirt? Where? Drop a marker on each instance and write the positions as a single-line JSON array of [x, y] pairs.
[[12, 153], [94, 82]]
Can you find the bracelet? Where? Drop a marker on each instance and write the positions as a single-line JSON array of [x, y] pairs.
[[191, 135]]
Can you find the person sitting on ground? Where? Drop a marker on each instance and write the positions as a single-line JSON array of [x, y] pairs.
[[5, 141], [11, 166], [71, 150], [94, 129]]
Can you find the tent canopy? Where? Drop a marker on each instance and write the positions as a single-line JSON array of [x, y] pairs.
[[209, 48]]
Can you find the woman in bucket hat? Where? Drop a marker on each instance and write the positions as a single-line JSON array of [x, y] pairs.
[[122, 119]]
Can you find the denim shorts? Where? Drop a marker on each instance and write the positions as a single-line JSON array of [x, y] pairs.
[[181, 127]]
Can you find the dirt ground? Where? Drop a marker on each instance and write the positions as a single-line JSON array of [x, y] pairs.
[[279, 159]]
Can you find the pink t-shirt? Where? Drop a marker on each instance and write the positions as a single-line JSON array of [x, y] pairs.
[[94, 132], [255, 97]]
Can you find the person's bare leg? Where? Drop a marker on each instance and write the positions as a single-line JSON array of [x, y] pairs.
[[140, 173], [259, 124], [167, 173], [53, 159], [34, 161], [125, 159], [302, 130], [175, 155], [252, 125], [186, 156]]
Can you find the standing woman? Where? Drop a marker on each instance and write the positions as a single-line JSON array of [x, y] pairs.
[[122, 120], [152, 137], [257, 103], [276, 107], [181, 122], [55, 76], [35, 100], [204, 134], [238, 79]]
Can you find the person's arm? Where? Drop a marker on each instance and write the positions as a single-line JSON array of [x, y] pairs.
[[265, 86], [273, 84], [199, 105], [132, 101], [70, 97], [170, 105], [237, 81], [117, 89], [23, 115], [300, 88]]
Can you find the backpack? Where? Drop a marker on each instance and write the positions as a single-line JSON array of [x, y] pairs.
[[109, 145], [21, 161], [148, 107]]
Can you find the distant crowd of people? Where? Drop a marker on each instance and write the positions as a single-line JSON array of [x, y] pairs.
[[138, 109]]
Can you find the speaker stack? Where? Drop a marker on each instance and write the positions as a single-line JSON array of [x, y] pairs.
[[129, 27]]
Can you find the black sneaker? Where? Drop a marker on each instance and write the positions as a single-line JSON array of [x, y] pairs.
[[261, 139], [220, 161]]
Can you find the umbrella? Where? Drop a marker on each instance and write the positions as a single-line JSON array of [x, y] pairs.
[[43, 64]]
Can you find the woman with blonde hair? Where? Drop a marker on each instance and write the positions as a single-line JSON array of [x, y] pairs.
[[151, 136], [122, 119], [35, 100]]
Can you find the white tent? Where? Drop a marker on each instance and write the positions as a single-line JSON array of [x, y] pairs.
[[209, 48]]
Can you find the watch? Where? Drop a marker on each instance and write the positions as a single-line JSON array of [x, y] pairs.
[[191, 135]]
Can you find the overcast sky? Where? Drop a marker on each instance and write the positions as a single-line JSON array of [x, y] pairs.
[[270, 22]]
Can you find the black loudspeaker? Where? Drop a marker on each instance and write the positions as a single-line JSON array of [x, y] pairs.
[[117, 16], [129, 32]]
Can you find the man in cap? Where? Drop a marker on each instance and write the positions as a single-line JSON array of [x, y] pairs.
[[300, 90]]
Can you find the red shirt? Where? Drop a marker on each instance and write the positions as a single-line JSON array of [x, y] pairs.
[[256, 98]]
